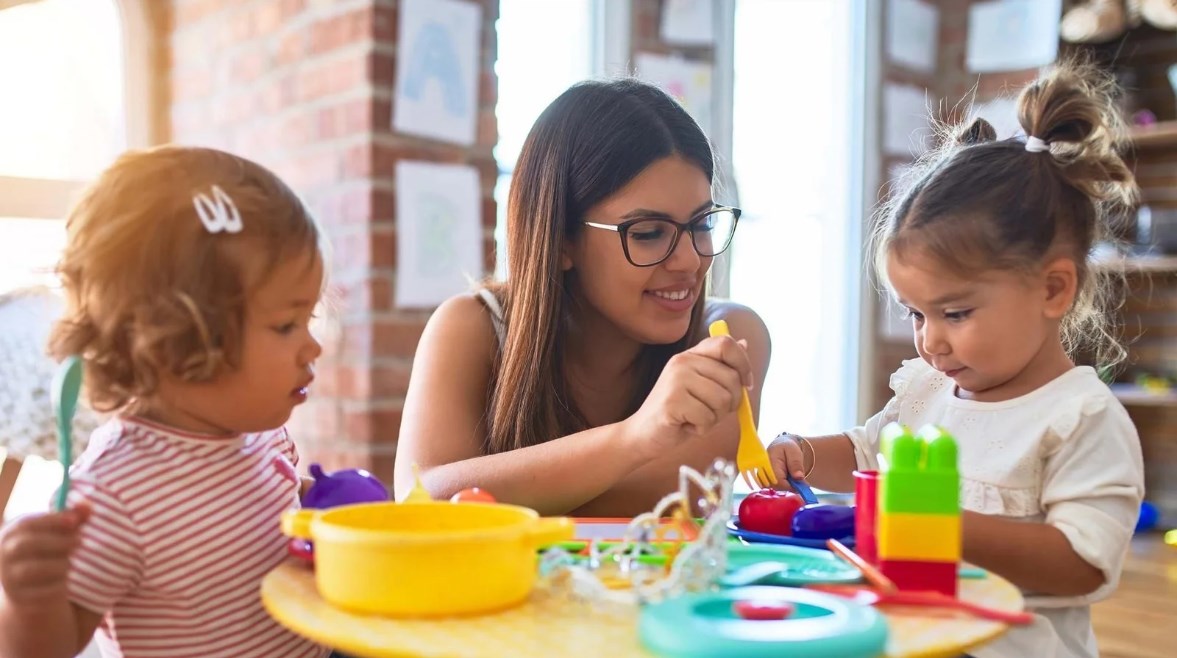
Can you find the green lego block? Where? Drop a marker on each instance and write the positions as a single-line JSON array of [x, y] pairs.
[[919, 472]]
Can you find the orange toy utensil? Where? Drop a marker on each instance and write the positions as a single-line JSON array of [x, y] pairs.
[[751, 457], [869, 596], [872, 575]]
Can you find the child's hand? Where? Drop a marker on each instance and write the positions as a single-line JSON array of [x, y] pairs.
[[34, 555], [786, 457]]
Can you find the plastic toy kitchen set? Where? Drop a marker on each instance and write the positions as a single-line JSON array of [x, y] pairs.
[[688, 579]]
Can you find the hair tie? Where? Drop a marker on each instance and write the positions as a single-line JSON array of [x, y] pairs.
[[1035, 145]]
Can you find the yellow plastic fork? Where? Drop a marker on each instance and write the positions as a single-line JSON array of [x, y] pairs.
[[751, 456]]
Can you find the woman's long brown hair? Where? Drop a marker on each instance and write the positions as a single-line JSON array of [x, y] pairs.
[[588, 144]]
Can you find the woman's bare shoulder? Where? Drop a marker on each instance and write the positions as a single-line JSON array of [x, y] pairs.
[[742, 321], [463, 324], [465, 307]]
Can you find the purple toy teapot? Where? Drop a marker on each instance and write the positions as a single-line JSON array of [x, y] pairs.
[[345, 487]]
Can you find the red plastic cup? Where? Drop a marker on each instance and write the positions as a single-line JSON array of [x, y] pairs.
[[866, 514]]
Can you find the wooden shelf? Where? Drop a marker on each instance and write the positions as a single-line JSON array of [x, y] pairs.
[[1159, 136], [1139, 264], [1132, 395]]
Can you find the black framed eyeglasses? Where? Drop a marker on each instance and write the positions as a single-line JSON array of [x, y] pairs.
[[648, 242]]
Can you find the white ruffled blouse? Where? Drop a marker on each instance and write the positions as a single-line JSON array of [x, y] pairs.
[[1066, 454]]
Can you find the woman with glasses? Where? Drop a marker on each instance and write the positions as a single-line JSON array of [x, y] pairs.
[[582, 382]]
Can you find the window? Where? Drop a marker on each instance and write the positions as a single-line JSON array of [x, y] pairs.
[[64, 118], [787, 127], [64, 122], [796, 258], [544, 48]]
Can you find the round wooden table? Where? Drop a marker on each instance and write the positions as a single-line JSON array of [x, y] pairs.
[[548, 626]]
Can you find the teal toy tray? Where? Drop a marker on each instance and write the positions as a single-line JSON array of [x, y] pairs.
[[704, 625]]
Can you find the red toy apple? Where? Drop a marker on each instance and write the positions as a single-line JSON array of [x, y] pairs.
[[474, 495], [770, 511]]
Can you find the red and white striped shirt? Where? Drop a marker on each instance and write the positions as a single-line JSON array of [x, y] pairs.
[[183, 529]]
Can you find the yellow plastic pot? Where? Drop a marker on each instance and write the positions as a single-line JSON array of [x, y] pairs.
[[425, 559]]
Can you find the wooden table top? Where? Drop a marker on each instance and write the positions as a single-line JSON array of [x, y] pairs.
[[547, 626]]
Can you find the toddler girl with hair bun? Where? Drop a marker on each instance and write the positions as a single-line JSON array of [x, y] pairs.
[[988, 251]]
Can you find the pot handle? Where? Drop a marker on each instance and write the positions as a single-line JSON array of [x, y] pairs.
[[297, 522], [550, 530]]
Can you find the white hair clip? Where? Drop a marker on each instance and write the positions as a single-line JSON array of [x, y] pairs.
[[1035, 145], [218, 213]]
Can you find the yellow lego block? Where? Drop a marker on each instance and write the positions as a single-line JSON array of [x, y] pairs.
[[931, 537]]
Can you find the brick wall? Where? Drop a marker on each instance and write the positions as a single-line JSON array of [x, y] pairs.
[[305, 87]]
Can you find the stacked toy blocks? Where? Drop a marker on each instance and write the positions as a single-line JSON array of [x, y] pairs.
[[919, 533]]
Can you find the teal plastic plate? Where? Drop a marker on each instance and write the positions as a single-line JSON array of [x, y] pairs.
[[804, 566], [704, 626]]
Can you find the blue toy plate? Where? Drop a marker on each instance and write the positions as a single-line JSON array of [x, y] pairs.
[[734, 529]]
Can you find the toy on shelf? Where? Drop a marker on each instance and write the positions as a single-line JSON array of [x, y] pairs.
[[1102, 21], [1153, 383], [1171, 538], [919, 528], [1149, 516]]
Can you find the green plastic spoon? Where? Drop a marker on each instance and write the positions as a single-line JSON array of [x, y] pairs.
[[67, 383]]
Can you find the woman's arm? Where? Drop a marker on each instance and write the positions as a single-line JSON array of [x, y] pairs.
[[643, 487], [443, 428]]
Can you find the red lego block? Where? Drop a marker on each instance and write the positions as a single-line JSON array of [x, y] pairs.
[[920, 576]]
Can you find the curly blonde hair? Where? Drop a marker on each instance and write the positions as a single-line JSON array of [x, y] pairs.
[[150, 290]]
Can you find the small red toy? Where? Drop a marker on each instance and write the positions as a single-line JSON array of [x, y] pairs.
[[763, 610]]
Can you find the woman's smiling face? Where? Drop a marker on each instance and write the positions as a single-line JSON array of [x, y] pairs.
[[653, 304]]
